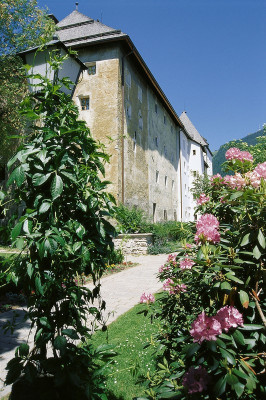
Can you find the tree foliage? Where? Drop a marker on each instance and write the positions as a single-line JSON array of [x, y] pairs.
[[22, 25], [64, 230]]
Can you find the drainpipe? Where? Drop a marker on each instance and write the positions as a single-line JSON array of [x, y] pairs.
[[180, 171], [123, 127]]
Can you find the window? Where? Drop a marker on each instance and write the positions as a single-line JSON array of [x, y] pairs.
[[175, 216], [194, 152], [164, 120], [135, 142], [165, 150], [157, 176], [194, 173], [140, 121], [154, 212], [156, 108], [156, 141], [165, 215], [165, 180], [173, 184], [139, 93], [85, 103], [91, 68]]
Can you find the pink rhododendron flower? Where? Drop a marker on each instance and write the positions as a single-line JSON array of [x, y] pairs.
[[163, 268], [205, 328], [229, 317], [196, 379], [216, 180], [236, 154], [207, 234], [261, 170], [187, 263], [203, 199], [235, 181], [253, 178], [188, 246], [147, 298], [207, 220], [172, 259], [173, 288]]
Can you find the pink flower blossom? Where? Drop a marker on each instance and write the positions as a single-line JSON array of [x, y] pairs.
[[235, 181], [229, 317], [196, 379], [261, 170], [236, 154], [172, 259], [233, 153], [188, 246], [203, 199], [173, 288], [147, 298], [207, 220], [253, 179], [187, 263], [216, 180], [163, 268], [205, 328], [207, 234]]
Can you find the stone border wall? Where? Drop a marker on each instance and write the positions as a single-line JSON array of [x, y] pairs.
[[133, 243]]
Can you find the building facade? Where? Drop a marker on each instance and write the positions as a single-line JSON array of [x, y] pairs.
[[123, 105]]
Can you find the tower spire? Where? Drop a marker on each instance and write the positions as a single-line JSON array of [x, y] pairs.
[[77, 5]]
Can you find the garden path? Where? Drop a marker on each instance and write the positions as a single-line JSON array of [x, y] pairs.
[[121, 291]]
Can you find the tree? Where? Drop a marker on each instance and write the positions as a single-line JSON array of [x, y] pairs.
[[22, 25], [64, 229]]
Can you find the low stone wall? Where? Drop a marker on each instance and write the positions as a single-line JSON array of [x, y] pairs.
[[133, 243]]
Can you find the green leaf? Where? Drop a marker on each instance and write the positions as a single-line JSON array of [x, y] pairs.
[[70, 333], [30, 270], [191, 349], [239, 337], [56, 187], [23, 349], [44, 207], [219, 387], [225, 286], [251, 327], [228, 356], [234, 278], [60, 343], [44, 322], [245, 240], [244, 298], [38, 285], [239, 388], [256, 252], [20, 243], [39, 179], [261, 239], [16, 230]]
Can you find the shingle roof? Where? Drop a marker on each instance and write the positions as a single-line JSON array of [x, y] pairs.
[[78, 29], [191, 130]]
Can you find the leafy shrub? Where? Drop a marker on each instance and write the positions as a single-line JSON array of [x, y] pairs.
[[131, 220], [213, 307], [63, 227], [167, 234]]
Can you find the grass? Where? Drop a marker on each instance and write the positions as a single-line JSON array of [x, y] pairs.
[[129, 333]]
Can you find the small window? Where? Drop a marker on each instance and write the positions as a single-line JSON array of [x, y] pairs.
[[157, 176], [173, 184], [91, 68], [85, 103], [165, 150], [175, 216], [164, 120], [140, 121], [194, 173], [194, 152], [165, 180], [165, 215], [156, 108], [139, 93], [135, 142], [156, 141], [154, 212]]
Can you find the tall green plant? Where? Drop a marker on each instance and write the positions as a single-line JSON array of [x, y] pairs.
[[64, 230]]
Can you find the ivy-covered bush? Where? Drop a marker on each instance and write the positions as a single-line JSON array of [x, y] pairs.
[[64, 232], [213, 341], [131, 220]]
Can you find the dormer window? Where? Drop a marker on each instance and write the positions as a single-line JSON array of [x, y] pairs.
[[84, 103], [91, 68]]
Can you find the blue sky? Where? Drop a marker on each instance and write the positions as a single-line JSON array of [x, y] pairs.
[[209, 56]]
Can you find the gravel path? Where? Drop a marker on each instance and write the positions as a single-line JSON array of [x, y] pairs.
[[121, 291]]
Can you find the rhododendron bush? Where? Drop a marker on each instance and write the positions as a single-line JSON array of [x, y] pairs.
[[213, 339]]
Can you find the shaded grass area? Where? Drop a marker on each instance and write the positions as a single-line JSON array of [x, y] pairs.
[[129, 333]]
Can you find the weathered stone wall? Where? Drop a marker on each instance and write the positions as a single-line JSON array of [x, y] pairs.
[[136, 243]]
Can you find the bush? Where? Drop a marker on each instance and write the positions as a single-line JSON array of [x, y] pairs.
[[213, 307], [167, 235], [131, 220]]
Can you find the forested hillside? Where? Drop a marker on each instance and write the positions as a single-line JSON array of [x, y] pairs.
[[219, 156]]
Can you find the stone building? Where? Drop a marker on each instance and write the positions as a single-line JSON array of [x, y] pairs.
[[151, 148]]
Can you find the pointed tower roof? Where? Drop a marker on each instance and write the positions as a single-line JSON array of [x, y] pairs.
[[191, 130], [77, 29]]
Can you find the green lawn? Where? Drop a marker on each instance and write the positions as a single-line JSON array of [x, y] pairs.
[[129, 333]]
